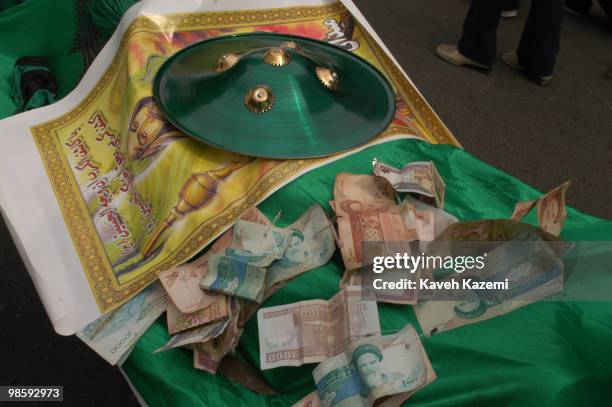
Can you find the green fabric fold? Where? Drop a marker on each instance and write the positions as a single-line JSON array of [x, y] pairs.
[[6, 4], [39, 77], [106, 14]]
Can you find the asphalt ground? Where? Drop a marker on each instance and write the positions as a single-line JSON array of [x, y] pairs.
[[542, 135]]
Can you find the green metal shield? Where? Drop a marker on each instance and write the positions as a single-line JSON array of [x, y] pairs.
[[208, 101]]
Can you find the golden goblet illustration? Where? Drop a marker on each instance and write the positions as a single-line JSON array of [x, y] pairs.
[[194, 195]]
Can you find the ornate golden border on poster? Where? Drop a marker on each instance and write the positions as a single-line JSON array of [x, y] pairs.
[[108, 292]]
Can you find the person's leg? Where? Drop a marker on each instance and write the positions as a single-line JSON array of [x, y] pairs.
[[578, 7], [540, 42], [480, 31], [510, 5]]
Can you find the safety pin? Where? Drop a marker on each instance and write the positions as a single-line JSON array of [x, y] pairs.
[[330, 225], [276, 218], [332, 221]]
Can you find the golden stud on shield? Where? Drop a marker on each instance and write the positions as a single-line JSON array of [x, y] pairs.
[[195, 194], [259, 99], [277, 56], [227, 61], [328, 78]]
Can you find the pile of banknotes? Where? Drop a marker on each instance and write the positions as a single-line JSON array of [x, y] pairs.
[[208, 300], [374, 221]]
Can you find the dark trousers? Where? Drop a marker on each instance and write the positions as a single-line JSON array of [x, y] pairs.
[[539, 43], [583, 6], [510, 5]]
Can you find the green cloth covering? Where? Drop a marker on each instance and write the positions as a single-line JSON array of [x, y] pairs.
[[67, 33], [42, 28], [542, 354]]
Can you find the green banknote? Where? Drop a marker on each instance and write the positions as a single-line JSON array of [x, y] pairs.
[[232, 273], [372, 368], [530, 268], [267, 242], [114, 335], [311, 245]]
